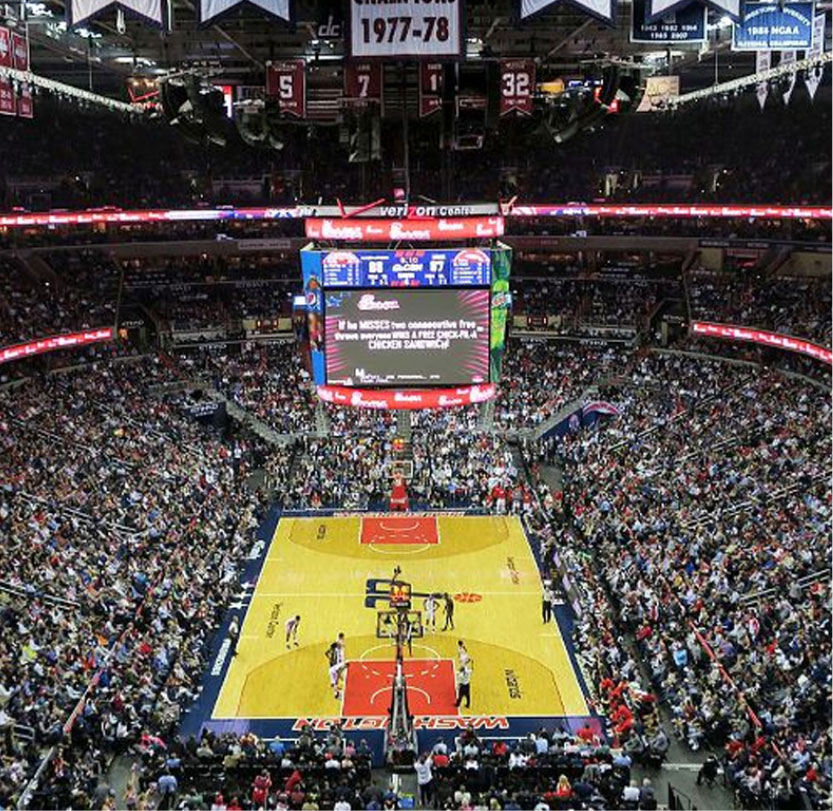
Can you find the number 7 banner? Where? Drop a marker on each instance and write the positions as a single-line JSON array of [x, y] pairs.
[[286, 81], [517, 85], [363, 82]]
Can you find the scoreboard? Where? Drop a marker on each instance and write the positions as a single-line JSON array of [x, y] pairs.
[[470, 267], [407, 319]]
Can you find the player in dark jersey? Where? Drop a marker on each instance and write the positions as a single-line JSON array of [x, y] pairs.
[[337, 663]]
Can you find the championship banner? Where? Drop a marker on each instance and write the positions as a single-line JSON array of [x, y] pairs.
[[406, 399], [603, 10], [6, 57], [774, 27], [210, 9], [763, 62], [812, 77], [517, 81], [7, 100], [287, 82], [363, 82], [776, 340], [25, 104], [686, 25], [79, 11], [431, 84], [407, 29], [20, 51], [378, 230], [659, 8]]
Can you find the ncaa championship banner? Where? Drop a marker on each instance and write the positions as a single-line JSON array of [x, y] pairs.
[[406, 29], [774, 27], [687, 24]]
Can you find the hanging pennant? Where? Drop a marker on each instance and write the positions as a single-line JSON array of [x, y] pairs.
[[80, 12], [763, 61], [812, 77], [604, 10], [788, 58], [659, 8], [211, 9]]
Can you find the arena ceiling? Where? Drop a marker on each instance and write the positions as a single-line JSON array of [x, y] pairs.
[[564, 41]]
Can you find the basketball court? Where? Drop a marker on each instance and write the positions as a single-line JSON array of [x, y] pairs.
[[335, 573]]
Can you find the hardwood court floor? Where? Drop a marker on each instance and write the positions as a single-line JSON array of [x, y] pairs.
[[327, 570]]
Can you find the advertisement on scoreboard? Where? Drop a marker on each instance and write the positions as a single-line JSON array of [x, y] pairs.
[[467, 267], [419, 337], [407, 29], [384, 230]]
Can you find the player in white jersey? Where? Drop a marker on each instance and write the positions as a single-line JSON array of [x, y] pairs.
[[291, 628], [337, 659], [431, 605]]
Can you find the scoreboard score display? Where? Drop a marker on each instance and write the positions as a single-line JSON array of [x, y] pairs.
[[405, 319]]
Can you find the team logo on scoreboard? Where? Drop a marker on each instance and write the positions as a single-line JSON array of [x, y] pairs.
[[470, 259], [340, 262]]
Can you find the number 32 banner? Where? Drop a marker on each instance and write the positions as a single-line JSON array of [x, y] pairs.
[[517, 84], [408, 29]]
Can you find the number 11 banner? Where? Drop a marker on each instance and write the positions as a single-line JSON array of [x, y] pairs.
[[517, 85]]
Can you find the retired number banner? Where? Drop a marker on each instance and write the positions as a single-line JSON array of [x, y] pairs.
[[517, 83], [286, 81], [431, 81], [408, 29], [363, 82]]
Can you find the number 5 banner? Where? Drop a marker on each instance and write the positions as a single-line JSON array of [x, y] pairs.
[[286, 81], [407, 29], [517, 85]]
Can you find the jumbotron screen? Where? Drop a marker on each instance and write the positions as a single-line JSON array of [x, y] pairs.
[[414, 318], [406, 337]]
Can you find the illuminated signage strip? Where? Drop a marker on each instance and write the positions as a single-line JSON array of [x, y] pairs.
[[678, 211], [420, 230], [406, 399], [777, 340], [70, 340], [415, 218]]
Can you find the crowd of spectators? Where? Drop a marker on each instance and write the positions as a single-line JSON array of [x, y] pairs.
[[124, 524], [706, 523], [548, 769], [234, 771], [79, 294], [795, 306], [539, 378]]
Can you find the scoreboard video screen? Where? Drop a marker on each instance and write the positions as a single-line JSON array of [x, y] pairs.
[[406, 337], [406, 319]]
